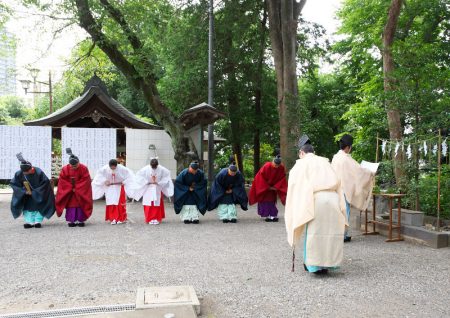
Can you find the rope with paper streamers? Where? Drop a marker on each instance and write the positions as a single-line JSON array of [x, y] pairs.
[[426, 147], [433, 146]]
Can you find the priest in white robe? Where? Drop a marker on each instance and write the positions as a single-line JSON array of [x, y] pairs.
[[357, 182], [113, 181], [151, 183], [315, 208]]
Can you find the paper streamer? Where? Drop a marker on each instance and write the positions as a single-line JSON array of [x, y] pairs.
[[444, 148], [409, 152], [435, 149], [397, 146]]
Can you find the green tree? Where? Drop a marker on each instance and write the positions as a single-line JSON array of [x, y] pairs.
[[323, 101], [417, 81], [417, 50], [14, 105]]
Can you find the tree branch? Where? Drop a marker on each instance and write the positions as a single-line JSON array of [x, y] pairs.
[[298, 7], [94, 29], [391, 24], [120, 19], [84, 56]]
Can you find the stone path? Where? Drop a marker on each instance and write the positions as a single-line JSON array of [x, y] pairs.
[[239, 270]]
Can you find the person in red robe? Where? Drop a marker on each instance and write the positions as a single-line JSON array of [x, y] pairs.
[[74, 192], [269, 183]]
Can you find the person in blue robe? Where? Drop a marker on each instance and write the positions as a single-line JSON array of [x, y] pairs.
[[190, 194], [228, 190], [33, 195]]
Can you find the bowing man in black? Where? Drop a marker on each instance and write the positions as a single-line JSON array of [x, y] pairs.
[[190, 194], [32, 195], [228, 190]]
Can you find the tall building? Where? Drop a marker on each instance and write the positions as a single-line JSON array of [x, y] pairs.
[[7, 63]]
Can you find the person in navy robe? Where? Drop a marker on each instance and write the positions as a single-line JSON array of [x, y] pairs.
[[228, 190], [33, 195], [190, 194]]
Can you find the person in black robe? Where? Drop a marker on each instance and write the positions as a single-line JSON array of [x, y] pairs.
[[190, 194], [228, 190], [32, 195]]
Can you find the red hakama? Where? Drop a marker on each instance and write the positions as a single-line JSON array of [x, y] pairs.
[[117, 212], [152, 212]]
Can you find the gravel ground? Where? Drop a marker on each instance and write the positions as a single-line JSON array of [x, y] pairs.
[[239, 270]]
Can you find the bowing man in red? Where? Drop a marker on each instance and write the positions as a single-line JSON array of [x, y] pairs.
[[74, 192], [269, 182]]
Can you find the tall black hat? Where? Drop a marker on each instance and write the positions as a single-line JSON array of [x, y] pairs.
[[346, 140], [277, 160], [73, 160], [194, 165], [24, 164], [233, 167], [303, 141]]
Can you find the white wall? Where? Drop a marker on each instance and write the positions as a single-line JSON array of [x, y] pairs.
[[93, 146], [35, 143], [138, 154]]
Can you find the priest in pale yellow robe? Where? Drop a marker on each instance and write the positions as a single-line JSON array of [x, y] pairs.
[[315, 208], [357, 182]]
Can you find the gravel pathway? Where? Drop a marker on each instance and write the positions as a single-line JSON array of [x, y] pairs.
[[239, 270]]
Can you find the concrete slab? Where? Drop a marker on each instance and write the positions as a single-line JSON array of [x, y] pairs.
[[416, 234], [409, 217], [167, 297], [178, 311]]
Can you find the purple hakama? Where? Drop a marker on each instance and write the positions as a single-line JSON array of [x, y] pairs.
[[267, 209], [75, 215]]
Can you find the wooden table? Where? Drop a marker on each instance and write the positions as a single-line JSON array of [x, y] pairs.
[[391, 197]]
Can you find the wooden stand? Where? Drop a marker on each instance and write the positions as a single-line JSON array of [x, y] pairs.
[[391, 226]]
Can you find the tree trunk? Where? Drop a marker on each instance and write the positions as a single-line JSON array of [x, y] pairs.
[[258, 96], [232, 100], [393, 113], [283, 22], [144, 83]]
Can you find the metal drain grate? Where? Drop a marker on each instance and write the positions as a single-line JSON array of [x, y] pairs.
[[70, 312]]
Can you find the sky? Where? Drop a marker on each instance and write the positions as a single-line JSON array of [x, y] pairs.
[[36, 47]]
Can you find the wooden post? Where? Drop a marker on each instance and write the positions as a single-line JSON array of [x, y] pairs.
[[399, 218], [376, 153], [439, 183], [50, 92]]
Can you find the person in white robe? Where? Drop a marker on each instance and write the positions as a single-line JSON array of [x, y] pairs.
[[315, 206], [357, 182], [151, 183], [114, 182]]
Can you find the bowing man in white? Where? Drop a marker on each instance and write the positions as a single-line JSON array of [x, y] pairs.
[[113, 181], [151, 183]]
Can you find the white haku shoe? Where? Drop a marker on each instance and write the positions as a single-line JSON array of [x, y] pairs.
[[114, 222]]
